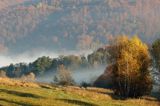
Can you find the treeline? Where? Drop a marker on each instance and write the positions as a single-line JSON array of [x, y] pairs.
[[45, 65]]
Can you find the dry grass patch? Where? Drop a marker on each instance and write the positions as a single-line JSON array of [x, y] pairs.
[[15, 82]]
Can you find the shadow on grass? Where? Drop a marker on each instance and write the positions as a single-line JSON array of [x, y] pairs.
[[113, 96], [77, 102], [153, 97], [21, 94], [46, 87], [156, 95], [17, 103]]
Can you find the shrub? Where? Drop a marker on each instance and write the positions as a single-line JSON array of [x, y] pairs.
[[85, 84]]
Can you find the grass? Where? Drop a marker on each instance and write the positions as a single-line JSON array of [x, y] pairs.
[[45, 95]]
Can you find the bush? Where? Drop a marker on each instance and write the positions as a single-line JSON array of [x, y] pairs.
[[85, 84]]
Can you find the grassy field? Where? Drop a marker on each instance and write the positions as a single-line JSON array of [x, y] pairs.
[[45, 95]]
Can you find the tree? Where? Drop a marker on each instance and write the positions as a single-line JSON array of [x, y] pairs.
[[155, 51], [29, 77], [71, 61], [130, 63], [64, 76], [41, 65], [84, 62], [3, 74], [98, 57]]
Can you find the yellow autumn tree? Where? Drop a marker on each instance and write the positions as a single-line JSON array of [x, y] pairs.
[[130, 63]]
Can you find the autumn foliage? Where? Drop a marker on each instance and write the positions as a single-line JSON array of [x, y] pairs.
[[130, 63]]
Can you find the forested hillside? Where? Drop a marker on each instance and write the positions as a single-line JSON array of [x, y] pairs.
[[54, 23]]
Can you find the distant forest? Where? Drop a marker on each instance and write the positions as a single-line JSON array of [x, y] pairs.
[[44, 65]]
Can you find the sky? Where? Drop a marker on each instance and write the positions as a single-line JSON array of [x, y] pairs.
[[31, 28]]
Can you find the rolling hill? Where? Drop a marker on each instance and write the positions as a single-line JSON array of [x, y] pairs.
[[47, 95]]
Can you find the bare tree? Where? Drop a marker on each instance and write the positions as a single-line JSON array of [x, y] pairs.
[[3, 74], [63, 76], [29, 77]]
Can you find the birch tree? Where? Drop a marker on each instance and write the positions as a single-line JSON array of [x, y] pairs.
[[130, 62]]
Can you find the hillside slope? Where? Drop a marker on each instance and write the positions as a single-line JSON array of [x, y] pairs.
[[54, 23], [47, 95], [4, 4]]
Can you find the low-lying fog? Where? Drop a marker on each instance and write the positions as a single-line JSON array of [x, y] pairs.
[[79, 76], [88, 76]]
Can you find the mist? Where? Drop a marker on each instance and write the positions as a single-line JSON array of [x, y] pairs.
[[88, 75]]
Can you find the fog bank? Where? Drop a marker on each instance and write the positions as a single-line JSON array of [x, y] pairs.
[[79, 76]]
